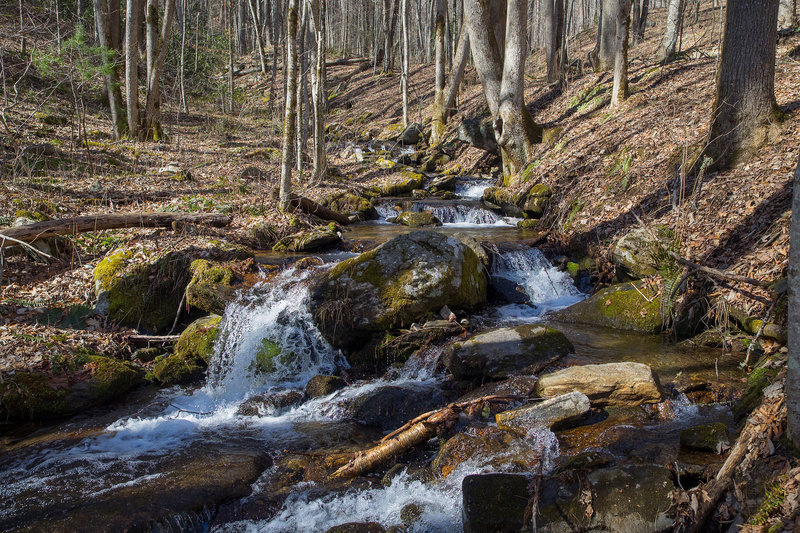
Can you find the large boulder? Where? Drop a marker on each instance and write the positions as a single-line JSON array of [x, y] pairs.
[[507, 291], [395, 284], [628, 306], [411, 135], [556, 411], [211, 286], [479, 132], [706, 438], [352, 204], [504, 199], [625, 384], [637, 252], [192, 353], [322, 385], [535, 201], [309, 241], [403, 183], [417, 219], [487, 446], [494, 502], [388, 407], [501, 352], [133, 292]]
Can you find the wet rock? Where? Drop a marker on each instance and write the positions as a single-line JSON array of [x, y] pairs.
[[489, 446], [211, 286], [141, 294], [394, 284], [405, 181], [504, 290], [558, 411], [417, 219], [419, 194], [411, 135], [499, 353], [479, 132], [192, 353], [442, 183], [357, 527], [494, 502], [504, 199], [513, 386], [627, 306], [390, 406], [624, 384], [398, 349], [638, 250], [269, 403], [309, 241], [97, 380], [536, 200], [706, 438], [323, 385]]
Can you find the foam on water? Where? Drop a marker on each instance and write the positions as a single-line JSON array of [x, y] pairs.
[[440, 503], [546, 286]]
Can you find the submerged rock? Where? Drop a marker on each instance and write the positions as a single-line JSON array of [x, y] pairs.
[[494, 502], [706, 438], [357, 527], [627, 306], [555, 411], [624, 384], [323, 385], [490, 446], [417, 219], [502, 352], [394, 285]]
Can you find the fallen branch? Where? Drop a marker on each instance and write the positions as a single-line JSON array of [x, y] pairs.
[[352, 61], [153, 339], [718, 273], [313, 208], [413, 433], [73, 226]]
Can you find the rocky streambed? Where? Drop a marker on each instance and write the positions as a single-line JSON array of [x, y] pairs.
[[574, 399]]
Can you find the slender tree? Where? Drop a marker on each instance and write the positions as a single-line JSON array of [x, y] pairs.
[[132, 22], [793, 374], [555, 38], [102, 25], [438, 119], [668, 48], [745, 114], [289, 120], [404, 60], [318, 82]]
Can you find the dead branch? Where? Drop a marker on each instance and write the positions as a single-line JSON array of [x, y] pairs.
[[153, 339], [718, 273], [72, 226]]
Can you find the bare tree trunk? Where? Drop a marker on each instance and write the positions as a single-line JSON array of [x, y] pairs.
[[132, 22], [438, 119], [619, 92], [231, 67], [318, 91], [669, 44], [118, 120], [302, 85], [290, 120], [745, 114], [152, 112], [259, 38], [404, 60], [184, 9], [640, 22], [605, 54], [793, 322], [555, 38], [457, 73], [388, 57]]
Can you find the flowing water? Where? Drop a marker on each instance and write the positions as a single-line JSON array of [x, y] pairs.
[[77, 469]]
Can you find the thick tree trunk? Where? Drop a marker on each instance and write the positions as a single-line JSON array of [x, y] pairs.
[[132, 22], [605, 55], [619, 92], [72, 226], [669, 44], [118, 117], [289, 120], [745, 114], [439, 112], [555, 38], [388, 57], [793, 374]]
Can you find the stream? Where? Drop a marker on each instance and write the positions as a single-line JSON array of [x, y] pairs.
[[163, 451]]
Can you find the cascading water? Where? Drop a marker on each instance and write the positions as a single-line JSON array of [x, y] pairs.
[[463, 214], [546, 286], [472, 189]]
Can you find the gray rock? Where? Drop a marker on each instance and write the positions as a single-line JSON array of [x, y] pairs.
[[443, 183], [308, 241], [394, 285], [269, 403], [513, 386], [624, 384], [479, 132], [499, 353], [635, 250], [504, 290], [411, 135], [390, 406], [417, 219], [555, 411]]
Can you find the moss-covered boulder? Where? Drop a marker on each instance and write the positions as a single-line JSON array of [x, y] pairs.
[[395, 284], [192, 353], [641, 251], [502, 352], [443, 183], [403, 183], [706, 438], [270, 357], [435, 161], [35, 396], [503, 199], [138, 293], [211, 286], [417, 219], [536, 200], [351, 204], [309, 241], [627, 306]]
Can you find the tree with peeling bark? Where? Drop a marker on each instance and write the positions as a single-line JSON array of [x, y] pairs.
[[619, 92], [793, 374], [289, 120], [502, 76], [745, 114], [438, 119]]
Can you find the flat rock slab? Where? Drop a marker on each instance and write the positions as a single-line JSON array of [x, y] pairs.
[[625, 384], [555, 411]]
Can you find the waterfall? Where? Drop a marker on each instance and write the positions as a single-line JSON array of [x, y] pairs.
[[462, 214], [472, 189]]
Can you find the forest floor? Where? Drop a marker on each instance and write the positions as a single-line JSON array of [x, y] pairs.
[[608, 168]]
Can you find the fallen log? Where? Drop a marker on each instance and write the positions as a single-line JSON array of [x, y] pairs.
[[413, 433], [149, 340], [352, 61], [73, 226], [311, 207]]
